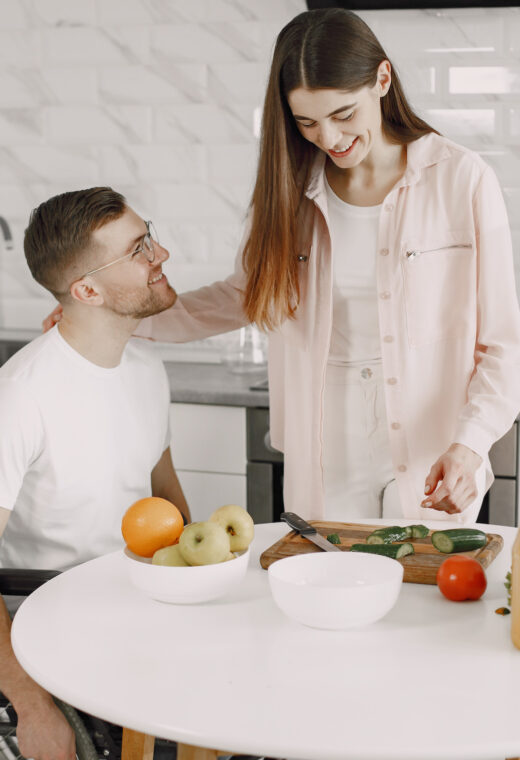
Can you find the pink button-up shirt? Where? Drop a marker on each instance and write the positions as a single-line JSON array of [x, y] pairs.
[[449, 325]]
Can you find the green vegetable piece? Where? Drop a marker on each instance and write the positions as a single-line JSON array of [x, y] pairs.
[[458, 540], [395, 551], [387, 535], [418, 531], [334, 538], [508, 585]]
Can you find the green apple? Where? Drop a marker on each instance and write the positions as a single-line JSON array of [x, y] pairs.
[[231, 555], [204, 543], [169, 555], [238, 524]]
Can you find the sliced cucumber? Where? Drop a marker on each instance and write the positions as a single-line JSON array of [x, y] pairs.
[[395, 551], [418, 531], [387, 535], [458, 540], [334, 538]]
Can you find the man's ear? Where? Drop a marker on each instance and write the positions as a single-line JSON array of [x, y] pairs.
[[85, 292]]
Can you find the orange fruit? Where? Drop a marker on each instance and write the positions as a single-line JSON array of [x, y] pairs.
[[151, 524]]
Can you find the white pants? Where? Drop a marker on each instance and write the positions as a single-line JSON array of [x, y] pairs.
[[357, 467], [358, 476]]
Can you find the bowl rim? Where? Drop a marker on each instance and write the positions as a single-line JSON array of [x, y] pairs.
[[275, 574], [147, 561]]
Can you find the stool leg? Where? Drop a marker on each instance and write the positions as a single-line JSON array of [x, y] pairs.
[[189, 752], [137, 746]]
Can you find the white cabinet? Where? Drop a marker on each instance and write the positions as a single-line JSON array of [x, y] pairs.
[[208, 445]]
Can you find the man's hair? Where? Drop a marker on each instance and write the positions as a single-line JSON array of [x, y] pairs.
[[57, 238]]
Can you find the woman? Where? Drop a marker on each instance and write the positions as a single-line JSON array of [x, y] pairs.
[[377, 255]]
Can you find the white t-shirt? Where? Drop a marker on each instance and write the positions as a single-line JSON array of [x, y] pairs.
[[355, 322], [78, 443]]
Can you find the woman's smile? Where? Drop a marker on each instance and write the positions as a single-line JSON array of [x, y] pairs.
[[346, 151]]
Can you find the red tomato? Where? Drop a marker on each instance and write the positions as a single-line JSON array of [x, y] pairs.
[[461, 578]]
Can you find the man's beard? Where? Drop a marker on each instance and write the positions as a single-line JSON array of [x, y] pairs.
[[137, 305]]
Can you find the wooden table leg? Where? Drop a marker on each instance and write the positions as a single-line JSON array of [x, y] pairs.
[[137, 746], [189, 752]]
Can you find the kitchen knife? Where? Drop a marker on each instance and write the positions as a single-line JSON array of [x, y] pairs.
[[307, 531]]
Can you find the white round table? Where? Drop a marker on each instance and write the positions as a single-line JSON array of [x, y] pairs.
[[434, 679]]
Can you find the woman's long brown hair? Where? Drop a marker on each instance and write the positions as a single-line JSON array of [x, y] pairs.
[[326, 48]]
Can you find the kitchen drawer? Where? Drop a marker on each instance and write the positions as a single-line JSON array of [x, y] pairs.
[[503, 454], [206, 491], [502, 502], [209, 438]]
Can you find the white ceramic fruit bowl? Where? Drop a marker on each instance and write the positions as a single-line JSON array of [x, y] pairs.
[[335, 591], [185, 585]]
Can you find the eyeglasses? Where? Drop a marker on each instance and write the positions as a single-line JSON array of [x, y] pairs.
[[147, 248]]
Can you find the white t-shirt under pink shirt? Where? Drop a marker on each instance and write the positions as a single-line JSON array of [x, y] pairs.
[[355, 322]]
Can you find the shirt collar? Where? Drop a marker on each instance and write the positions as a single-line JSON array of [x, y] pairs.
[[421, 153]]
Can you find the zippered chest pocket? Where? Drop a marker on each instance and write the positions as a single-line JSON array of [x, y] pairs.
[[439, 279]]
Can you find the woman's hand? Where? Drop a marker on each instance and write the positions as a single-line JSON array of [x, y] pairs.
[[455, 471], [53, 318]]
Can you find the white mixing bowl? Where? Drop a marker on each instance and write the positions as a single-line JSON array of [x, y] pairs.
[[335, 590], [185, 585]]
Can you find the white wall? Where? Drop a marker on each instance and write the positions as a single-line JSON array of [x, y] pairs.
[[157, 99]]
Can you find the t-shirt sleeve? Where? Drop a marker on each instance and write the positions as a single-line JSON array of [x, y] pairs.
[[21, 434]]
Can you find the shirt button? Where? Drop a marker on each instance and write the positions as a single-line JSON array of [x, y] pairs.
[[385, 295], [388, 339], [396, 426], [389, 207], [402, 468], [392, 381], [384, 252]]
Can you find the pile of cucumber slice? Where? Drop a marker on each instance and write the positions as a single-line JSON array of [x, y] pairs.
[[383, 540]]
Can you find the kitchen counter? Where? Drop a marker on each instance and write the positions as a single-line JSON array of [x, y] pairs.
[[198, 383], [190, 382]]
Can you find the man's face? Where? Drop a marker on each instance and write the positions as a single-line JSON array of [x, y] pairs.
[[133, 287]]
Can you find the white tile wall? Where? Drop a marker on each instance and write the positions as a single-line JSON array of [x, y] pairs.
[[157, 98]]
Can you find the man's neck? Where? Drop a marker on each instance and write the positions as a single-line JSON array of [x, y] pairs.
[[100, 338]]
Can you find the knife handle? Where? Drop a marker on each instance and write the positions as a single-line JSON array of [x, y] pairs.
[[297, 523]]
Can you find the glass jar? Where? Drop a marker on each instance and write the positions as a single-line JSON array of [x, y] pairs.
[[245, 351]]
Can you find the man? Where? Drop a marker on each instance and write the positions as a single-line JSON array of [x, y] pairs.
[[84, 415]]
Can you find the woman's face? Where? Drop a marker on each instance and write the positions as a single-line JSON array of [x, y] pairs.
[[343, 124]]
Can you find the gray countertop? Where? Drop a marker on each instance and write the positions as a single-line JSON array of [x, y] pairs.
[[190, 382], [197, 383]]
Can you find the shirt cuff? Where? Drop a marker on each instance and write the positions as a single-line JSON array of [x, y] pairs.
[[475, 437]]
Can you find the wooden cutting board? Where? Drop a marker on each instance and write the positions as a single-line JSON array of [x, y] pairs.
[[420, 567]]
